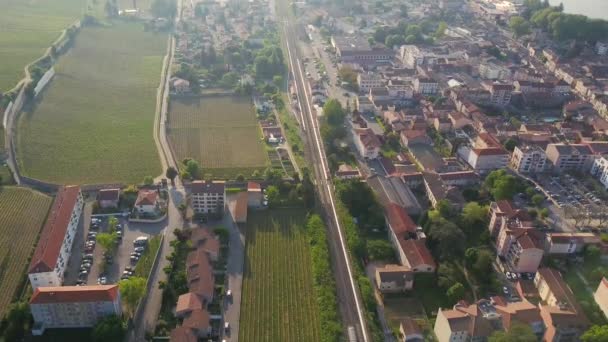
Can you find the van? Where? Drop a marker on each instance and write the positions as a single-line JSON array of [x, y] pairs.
[[142, 240]]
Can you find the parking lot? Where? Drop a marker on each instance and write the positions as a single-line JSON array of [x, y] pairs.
[[87, 255]]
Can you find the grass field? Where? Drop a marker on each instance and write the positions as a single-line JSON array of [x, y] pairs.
[[220, 132], [27, 29], [278, 302], [23, 213], [94, 123]]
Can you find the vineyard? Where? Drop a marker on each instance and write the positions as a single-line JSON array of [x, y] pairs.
[[220, 132], [23, 213], [278, 301]]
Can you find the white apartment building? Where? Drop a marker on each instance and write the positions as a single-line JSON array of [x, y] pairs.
[[566, 157], [529, 159], [367, 81], [484, 159], [426, 86], [600, 170], [54, 247], [208, 197], [73, 306]]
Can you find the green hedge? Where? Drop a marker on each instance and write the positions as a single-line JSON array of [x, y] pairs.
[[144, 265], [324, 283]]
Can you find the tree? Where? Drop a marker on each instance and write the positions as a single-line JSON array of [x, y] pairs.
[[380, 250], [193, 168], [470, 256], [240, 178], [474, 213], [530, 192], [277, 80], [538, 200], [171, 173], [502, 186], [273, 195], [308, 189], [544, 213], [510, 145], [110, 328], [107, 241], [519, 26], [592, 253], [131, 291], [443, 26], [449, 240], [597, 333], [518, 333], [455, 293], [148, 180]]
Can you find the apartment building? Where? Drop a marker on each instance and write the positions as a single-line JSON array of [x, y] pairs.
[[521, 248], [529, 159], [54, 247], [600, 170], [367, 143], [426, 86], [484, 159], [492, 71], [601, 296], [73, 306], [369, 80], [567, 157], [208, 197]]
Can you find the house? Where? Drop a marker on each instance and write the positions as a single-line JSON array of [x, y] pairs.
[[442, 125], [199, 275], [147, 202], [464, 323], [601, 296], [568, 157], [239, 213], [73, 306], [180, 85], [198, 322], [255, 197], [459, 178], [504, 215], [411, 137], [484, 160], [569, 243], [202, 238], [521, 248], [108, 198], [410, 330], [367, 143], [54, 247], [346, 171], [522, 312], [183, 334], [356, 49], [187, 303], [501, 94], [459, 120], [208, 197], [529, 159], [394, 278]]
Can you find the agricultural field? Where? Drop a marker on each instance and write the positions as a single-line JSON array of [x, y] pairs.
[[220, 132], [278, 300], [94, 122], [27, 29], [23, 213]]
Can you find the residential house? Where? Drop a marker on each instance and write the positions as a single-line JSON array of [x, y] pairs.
[[521, 248], [501, 94], [364, 105], [180, 86], [108, 198], [198, 322], [346, 171], [442, 125], [529, 159], [601, 296], [147, 202], [239, 211], [410, 331], [255, 197], [522, 312], [569, 243], [569, 157], [466, 323], [492, 71], [73, 306], [208, 197], [393, 190], [394, 278], [410, 137], [459, 178], [367, 143], [54, 247], [484, 160]]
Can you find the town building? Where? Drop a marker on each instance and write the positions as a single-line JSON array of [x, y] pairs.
[[599, 170], [426, 86], [367, 143], [465, 323], [346, 171], [54, 247], [394, 278], [484, 160], [73, 306], [255, 197], [147, 202], [529, 159], [356, 49], [108, 198], [601, 296], [492, 71], [521, 248], [503, 215], [570, 157], [569, 243], [369, 80], [208, 197]]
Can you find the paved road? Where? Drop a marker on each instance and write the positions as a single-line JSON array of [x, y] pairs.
[[351, 307], [234, 274]]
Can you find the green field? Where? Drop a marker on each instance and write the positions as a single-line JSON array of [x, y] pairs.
[[27, 29], [278, 301], [23, 213], [94, 123], [220, 132]]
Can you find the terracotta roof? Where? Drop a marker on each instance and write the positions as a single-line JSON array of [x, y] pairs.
[[528, 237], [52, 235], [414, 133], [108, 195], [215, 187], [253, 186], [205, 240], [199, 273], [417, 253], [491, 151], [558, 287], [522, 312], [458, 175], [183, 334], [187, 303], [146, 197], [400, 222], [240, 207], [368, 138], [74, 294], [198, 320]]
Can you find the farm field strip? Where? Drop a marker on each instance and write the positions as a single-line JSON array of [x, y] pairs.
[[27, 29], [278, 298], [94, 122], [24, 212], [219, 132]]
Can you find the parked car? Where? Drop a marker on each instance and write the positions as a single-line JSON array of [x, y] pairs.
[[227, 327], [87, 257], [140, 241], [139, 249]]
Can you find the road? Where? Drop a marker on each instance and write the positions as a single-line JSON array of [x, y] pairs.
[[351, 306]]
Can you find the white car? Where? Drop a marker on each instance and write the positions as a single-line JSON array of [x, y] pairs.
[[229, 293]]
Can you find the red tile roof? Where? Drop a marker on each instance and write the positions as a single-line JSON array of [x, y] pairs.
[[198, 320], [417, 254], [399, 221], [49, 245], [253, 186], [74, 294], [146, 197], [187, 303], [368, 138], [492, 151], [183, 334]]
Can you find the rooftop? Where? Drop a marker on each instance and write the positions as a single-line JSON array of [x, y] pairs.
[[74, 294]]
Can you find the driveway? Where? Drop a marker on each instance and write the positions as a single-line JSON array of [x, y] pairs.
[[234, 276]]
